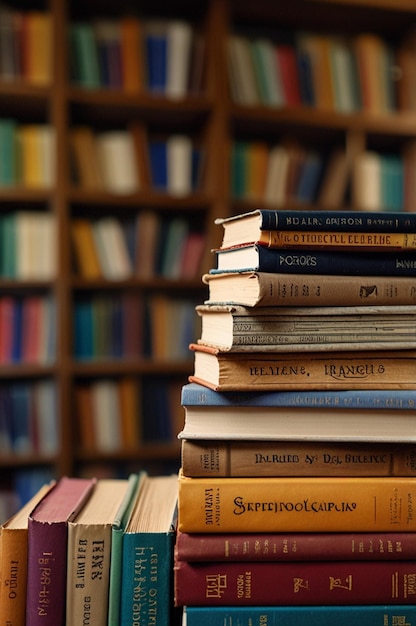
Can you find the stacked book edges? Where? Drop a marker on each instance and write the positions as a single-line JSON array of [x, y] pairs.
[[297, 488]]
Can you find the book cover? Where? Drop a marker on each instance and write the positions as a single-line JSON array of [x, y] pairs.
[[370, 615], [258, 258], [147, 554], [89, 553], [281, 547], [298, 504], [295, 458], [271, 289], [293, 329], [13, 562], [47, 549], [300, 583], [349, 369]]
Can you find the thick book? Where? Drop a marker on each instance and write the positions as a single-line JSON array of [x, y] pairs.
[[257, 258], [342, 615], [297, 504], [249, 547], [267, 371], [288, 329], [255, 226], [382, 415], [272, 289], [89, 553], [300, 583], [13, 562], [47, 549], [147, 554], [202, 458]]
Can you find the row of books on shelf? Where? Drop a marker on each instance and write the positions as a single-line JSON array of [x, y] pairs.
[[26, 45], [124, 529], [124, 161], [28, 423], [135, 55], [127, 326], [147, 246], [121, 415], [27, 329], [285, 173], [28, 154], [330, 72]]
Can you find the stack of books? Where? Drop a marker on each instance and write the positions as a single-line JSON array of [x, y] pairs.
[[297, 487]]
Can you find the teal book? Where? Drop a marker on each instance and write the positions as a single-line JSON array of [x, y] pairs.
[[367, 615], [147, 554], [8, 152]]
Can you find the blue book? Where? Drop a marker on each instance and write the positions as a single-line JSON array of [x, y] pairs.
[[147, 554], [310, 177], [17, 339], [258, 258], [83, 330], [366, 615], [159, 165], [21, 412], [156, 57]]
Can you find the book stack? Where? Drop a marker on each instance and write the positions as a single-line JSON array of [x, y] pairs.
[[297, 484]]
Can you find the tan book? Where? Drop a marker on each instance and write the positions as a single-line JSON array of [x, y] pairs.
[[85, 159], [86, 257]]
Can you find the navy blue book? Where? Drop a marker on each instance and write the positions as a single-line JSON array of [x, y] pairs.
[[156, 57], [368, 615], [252, 226], [258, 258], [158, 165]]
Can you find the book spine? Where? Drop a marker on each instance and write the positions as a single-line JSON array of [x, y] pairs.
[[300, 616], [295, 547], [300, 584], [323, 370], [147, 566], [13, 555], [321, 262], [298, 504], [338, 240], [278, 458], [377, 221]]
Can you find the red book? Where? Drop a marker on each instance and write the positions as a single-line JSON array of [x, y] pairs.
[[298, 583], [295, 546], [47, 550], [288, 68]]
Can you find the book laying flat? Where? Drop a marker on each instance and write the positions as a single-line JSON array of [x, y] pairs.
[[370, 615], [298, 504], [267, 371], [249, 547], [255, 226], [258, 258], [89, 552], [47, 549], [298, 583], [147, 553], [201, 458], [288, 329], [271, 289], [13, 562]]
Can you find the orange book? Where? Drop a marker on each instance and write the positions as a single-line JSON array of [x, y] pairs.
[[298, 504], [132, 65], [84, 247], [129, 412], [257, 157], [38, 46], [85, 418], [85, 158]]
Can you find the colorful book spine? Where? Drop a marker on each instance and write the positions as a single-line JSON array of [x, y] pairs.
[[302, 583], [298, 504]]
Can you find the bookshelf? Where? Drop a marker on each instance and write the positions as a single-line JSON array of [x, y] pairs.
[[204, 120]]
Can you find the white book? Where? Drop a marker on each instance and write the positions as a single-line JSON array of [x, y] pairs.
[[47, 148], [179, 165], [106, 416], [241, 69], [36, 253], [179, 40], [366, 181], [46, 412], [117, 161], [112, 249], [277, 169]]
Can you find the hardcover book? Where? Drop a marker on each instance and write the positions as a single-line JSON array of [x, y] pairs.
[[298, 504]]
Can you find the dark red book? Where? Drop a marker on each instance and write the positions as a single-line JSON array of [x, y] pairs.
[[47, 550], [295, 546], [298, 583]]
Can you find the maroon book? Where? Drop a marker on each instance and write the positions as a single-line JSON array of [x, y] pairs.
[[47, 550], [295, 546], [298, 583]]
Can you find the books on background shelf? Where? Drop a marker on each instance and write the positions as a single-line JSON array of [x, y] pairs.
[[263, 465], [136, 56]]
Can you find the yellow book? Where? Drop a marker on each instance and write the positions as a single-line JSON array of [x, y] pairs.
[[13, 563], [30, 160], [39, 45], [85, 251], [313, 240], [299, 504]]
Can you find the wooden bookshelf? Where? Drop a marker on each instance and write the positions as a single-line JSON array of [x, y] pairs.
[[214, 121]]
